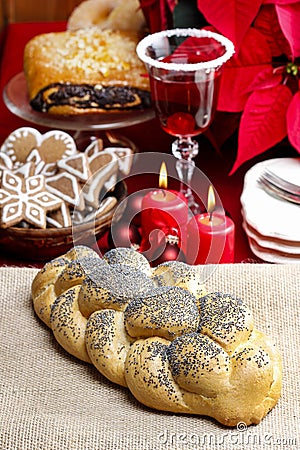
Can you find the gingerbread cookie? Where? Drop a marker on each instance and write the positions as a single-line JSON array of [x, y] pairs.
[[60, 218], [25, 199], [66, 187], [5, 161], [27, 170], [71, 185], [41, 167], [104, 169], [51, 146], [124, 155], [92, 214], [94, 147], [77, 165]]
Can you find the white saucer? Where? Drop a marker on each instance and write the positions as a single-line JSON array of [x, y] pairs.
[[269, 216], [272, 256], [277, 245]]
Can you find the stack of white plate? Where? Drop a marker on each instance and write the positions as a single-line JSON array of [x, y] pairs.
[[272, 224]]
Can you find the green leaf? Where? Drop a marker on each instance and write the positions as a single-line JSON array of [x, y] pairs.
[[187, 15]]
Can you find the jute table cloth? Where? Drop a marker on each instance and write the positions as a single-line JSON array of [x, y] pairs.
[[52, 401]]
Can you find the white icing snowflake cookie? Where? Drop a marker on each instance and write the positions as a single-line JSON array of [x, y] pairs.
[[25, 199]]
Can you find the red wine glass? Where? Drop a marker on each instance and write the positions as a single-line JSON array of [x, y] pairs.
[[184, 68]]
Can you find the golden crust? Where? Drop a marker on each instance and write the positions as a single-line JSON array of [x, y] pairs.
[[84, 57], [200, 356], [109, 357], [113, 14], [70, 333]]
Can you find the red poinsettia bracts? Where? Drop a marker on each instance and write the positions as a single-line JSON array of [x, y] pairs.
[[262, 80], [232, 18]]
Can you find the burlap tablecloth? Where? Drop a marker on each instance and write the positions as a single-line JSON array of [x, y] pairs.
[[52, 401]]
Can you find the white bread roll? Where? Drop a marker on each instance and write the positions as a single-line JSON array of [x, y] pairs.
[[104, 14]]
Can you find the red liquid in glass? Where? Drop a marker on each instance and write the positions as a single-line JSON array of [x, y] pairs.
[[185, 102]]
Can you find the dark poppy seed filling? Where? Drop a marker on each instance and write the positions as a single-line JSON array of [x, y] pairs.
[[87, 96]]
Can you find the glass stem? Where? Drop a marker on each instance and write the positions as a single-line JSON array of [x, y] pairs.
[[185, 169], [185, 149]]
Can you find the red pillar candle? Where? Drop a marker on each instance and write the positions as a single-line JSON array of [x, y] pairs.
[[210, 239], [163, 209], [210, 236]]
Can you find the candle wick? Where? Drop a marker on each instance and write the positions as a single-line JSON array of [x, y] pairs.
[[164, 192], [210, 216]]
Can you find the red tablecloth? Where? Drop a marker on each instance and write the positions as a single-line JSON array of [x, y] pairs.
[[147, 136]]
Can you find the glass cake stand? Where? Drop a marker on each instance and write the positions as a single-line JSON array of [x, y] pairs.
[[16, 98]]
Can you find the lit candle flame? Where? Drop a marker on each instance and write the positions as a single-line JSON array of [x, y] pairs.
[[211, 201], [163, 176]]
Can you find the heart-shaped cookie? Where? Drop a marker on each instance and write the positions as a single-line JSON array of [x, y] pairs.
[[51, 146], [5, 161]]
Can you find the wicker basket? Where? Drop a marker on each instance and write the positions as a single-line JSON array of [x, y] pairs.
[[44, 244]]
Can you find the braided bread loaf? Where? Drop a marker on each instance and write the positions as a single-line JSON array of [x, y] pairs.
[[159, 333]]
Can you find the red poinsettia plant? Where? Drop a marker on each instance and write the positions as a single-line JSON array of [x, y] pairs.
[[262, 80]]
